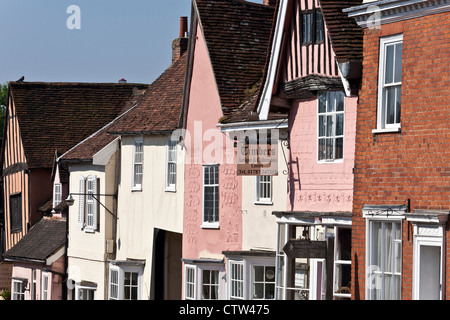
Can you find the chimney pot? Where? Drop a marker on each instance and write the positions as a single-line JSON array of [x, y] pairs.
[[183, 27], [180, 45]]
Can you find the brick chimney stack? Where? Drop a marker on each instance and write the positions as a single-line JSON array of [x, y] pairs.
[[180, 45]]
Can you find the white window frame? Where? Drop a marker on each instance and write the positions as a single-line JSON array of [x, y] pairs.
[[210, 284], [91, 215], [324, 96], [252, 280], [137, 185], [382, 126], [34, 284], [171, 159], [114, 286], [211, 224], [121, 270], [79, 288], [236, 275], [262, 185], [88, 204], [375, 276], [57, 194], [190, 290], [20, 285], [44, 285], [339, 262]]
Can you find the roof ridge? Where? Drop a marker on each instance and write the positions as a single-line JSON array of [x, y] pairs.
[[98, 131]]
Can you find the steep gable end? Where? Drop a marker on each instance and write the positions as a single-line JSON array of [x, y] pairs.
[[238, 37]]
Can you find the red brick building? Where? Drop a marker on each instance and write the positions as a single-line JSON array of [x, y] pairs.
[[401, 231]]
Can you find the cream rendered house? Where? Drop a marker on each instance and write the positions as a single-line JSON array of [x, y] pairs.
[[147, 264], [93, 167]]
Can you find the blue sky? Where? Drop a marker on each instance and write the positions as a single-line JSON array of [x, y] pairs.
[[118, 39]]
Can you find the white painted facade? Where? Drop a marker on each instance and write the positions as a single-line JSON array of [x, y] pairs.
[[88, 251], [143, 210], [259, 225]]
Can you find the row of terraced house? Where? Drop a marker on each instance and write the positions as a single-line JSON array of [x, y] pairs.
[[293, 149]]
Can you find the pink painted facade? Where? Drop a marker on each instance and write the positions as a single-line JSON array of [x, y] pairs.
[[203, 115], [35, 274], [314, 185]]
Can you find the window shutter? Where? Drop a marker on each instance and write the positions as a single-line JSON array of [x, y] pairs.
[[95, 203], [81, 202]]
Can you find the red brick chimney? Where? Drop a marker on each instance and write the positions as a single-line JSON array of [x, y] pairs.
[[180, 45]]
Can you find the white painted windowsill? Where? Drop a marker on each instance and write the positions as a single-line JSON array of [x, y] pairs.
[[387, 130]]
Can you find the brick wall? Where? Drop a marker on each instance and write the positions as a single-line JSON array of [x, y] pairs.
[[414, 163]]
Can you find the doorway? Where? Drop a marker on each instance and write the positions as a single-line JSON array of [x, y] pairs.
[[428, 269], [167, 265]]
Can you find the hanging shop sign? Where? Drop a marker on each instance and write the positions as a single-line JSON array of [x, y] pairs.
[[306, 249], [258, 158]]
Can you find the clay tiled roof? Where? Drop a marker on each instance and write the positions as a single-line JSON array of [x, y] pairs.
[[156, 110], [159, 109], [54, 117], [43, 240], [345, 35], [238, 36]]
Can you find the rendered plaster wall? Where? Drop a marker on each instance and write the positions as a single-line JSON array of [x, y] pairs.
[[313, 185], [140, 212], [203, 114], [259, 227]]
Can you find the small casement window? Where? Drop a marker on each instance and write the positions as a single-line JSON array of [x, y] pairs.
[[210, 284], [319, 29], [312, 27], [171, 168], [236, 280], [390, 83], [44, 286], [88, 204], [210, 195], [263, 278], [113, 284], [57, 194], [264, 189], [130, 285], [15, 212], [18, 289], [138, 158], [189, 282], [331, 126]]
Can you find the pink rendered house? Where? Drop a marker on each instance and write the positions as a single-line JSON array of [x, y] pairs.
[[227, 58]]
